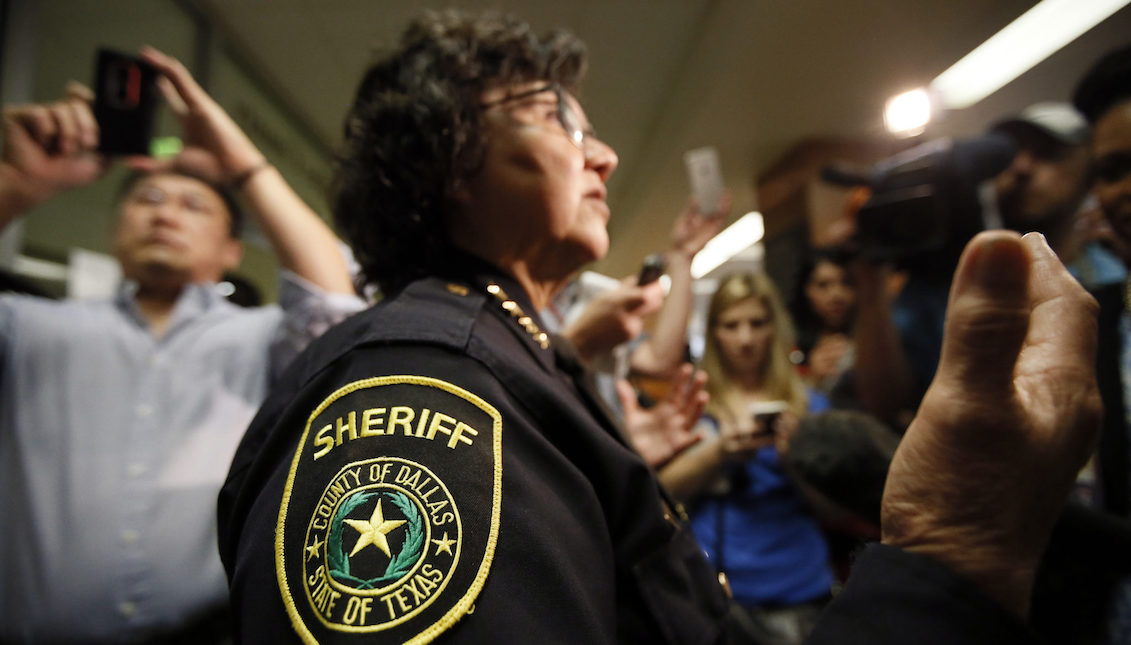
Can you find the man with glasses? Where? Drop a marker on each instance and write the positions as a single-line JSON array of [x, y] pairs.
[[118, 418]]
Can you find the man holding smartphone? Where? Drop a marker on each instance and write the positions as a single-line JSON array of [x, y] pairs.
[[118, 419]]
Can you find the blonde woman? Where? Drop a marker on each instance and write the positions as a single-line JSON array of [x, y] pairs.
[[748, 515]]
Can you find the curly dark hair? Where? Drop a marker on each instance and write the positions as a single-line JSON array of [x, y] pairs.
[[413, 134]]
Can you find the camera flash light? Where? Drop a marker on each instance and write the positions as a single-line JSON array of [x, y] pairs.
[[909, 113]]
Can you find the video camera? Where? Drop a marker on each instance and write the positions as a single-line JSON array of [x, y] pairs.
[[925, 199]]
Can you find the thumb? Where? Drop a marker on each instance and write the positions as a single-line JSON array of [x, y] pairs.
[[988, 314], [630, 298]]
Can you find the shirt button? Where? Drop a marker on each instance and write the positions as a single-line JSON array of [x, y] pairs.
[[136, 469], [129, 536], [127, 609], [144, 410], [156, 360]]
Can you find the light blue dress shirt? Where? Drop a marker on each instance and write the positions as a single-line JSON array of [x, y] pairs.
[[113, 447]]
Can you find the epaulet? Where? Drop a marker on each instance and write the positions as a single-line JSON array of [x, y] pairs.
[[449, 308], [519, 316]]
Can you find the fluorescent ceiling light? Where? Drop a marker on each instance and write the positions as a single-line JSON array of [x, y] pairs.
[[1028, 40], [744, 233]]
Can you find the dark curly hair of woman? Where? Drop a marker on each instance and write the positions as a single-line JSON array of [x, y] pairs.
[[413, 135]]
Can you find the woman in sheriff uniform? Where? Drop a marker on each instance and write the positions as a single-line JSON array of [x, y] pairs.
[[453, 470], [439, 467]]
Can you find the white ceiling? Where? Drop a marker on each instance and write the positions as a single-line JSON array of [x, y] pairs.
[[749, 77]]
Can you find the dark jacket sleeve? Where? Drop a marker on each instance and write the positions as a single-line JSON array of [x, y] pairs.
[[1113, 466], [895, 597], [534, 559]]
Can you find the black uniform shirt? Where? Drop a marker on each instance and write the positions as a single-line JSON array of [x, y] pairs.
[[434, 468], [453, 477]]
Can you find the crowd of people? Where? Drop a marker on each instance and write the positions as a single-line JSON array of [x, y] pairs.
[[468, 461]]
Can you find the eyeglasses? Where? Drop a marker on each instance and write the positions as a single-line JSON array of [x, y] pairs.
[[570, 121]]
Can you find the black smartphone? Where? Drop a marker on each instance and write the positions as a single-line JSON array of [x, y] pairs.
[[652, 270], [125, 103]]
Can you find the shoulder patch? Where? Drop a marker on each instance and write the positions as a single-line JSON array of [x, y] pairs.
[[390, 514]]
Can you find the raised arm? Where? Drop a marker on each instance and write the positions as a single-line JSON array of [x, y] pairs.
[[1011, 416], [48, 148], [613, 317], [984, 469], [885, 383], [215, 145], [719, 453], [662, 353]]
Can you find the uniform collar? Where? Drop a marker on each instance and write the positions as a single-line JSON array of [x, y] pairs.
[[523, 321], [478, 273]]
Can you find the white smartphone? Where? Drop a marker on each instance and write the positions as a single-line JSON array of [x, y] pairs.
[[767, 412], [706, 177]]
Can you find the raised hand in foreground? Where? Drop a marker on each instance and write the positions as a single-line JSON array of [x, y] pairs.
[[1011, 416]]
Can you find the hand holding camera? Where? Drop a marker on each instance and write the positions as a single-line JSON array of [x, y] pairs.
[[613, 317], [774, 418], [695, 227], [48, 148], [213, 144], [740, 440], [767, 413], [52, 147]]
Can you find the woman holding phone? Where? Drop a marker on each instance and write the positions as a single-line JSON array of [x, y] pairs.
[[745, 510], [824, 310]]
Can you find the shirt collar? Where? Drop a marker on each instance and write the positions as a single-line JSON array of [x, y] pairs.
[[195, 299]]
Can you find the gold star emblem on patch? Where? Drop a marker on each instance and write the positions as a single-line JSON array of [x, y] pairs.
[[312, 550], [444, 544], [373, 531]]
